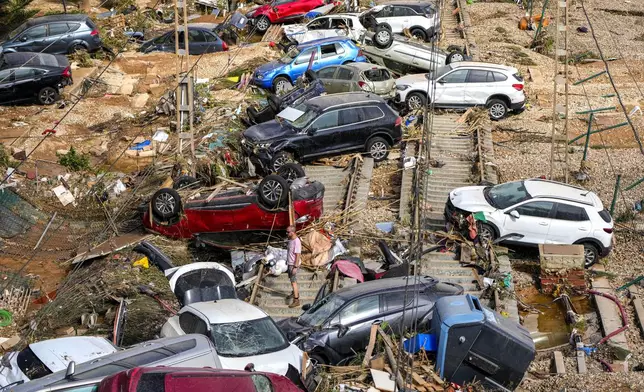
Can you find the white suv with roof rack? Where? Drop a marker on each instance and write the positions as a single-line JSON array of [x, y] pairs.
[[465, 84], [537, 211]]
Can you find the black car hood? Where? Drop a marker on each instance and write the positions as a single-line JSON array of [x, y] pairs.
[[292, 328], [266, 131]]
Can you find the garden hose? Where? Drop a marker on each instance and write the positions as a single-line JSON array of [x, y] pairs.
[[5, 318]]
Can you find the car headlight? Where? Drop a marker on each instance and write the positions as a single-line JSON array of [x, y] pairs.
[[402, 87], [259, 76], [264, 145]]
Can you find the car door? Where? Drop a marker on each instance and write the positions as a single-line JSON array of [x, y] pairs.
[[327, 76], [329, 55], [386, 15], [32, 40], [340, 27], [323, 134], [569, 224], [197, 42], [402, 16], [450, 88], [393, 309], [6, 86], [356, 318], [213, 43], [285, 8], [318, 28], [478, 86], [533, 223], [59, 37], [25, 85], [301, 62], [343, 81]]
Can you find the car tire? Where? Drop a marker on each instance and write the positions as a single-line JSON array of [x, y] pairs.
[[415, 101], [591, 255], [486, 233], [77, 48], [289, 46], [378, 149], [383, 37], [263, 23], [318, 359], [275, 102], [185, 182], [47, 96], [166, 203], [291, 171], [280, 159], [273, 191], [454, 57], [281, 85], [419, 33], [497, 109]]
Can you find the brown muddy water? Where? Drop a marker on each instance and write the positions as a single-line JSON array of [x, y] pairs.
[[548, 328]]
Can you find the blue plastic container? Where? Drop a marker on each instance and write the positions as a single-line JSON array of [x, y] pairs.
[[422, 341]]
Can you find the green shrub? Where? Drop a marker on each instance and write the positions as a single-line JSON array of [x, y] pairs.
[[74, 161]]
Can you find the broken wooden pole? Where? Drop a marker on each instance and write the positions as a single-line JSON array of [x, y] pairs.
[[257, 284], [392, 360], [372, 343]]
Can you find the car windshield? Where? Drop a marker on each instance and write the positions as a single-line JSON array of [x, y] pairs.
[[506, 195], [17, 31], [290, 55], [248, 338], [440, 71], [31, 365], [321, 310], [305, 119]]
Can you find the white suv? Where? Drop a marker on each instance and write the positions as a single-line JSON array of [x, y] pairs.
[[540, 212], [465, 84], [420, 17], [336, 25]]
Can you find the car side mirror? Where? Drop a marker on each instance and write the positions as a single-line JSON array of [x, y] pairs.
[[310, 131], [24, 38], [71, 369], [306, 307], [515, 214], [441, 81], [342, 330]]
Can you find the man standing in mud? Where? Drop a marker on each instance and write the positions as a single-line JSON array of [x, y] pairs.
[[294, 250]]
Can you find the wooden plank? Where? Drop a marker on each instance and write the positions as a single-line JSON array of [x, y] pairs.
[[560, 366], [639, 307], [372, 343]]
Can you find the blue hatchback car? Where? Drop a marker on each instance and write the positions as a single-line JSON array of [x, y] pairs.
[[281, 74]]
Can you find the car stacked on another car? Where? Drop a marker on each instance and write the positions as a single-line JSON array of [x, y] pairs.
[[358, 77], [55, 34], [280, 75], [421, 18], [38, 77], [537, 211], [281, 11], [324, 126], [336, 25], [465, 84]]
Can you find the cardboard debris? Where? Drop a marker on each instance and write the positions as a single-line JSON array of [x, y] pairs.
[[382, 380], [64, 195]]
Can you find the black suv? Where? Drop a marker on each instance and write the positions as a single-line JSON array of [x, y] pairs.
[[55, 34], [33, 76], [324, 126]]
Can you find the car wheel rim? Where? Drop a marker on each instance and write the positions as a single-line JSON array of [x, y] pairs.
[[378, 150], [281, 86], [272, 190], [457, 57], [497, 110], [165, 203], [383, 37], [289, 175], [415, 102], [47, 96], [486, 235], [589, 255], [262, 24], [279, 162]]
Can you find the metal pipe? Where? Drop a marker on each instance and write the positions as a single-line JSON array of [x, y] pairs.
[[589, 78], [633, 185], [621, 311], [599, 130], [590, 126], [615, 192], [597, 110]]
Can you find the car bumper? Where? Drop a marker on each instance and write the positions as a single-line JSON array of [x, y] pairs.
[[518, 105], [263, 83], [605, 251]]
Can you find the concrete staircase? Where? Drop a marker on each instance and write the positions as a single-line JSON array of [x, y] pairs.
[[273, 299], [446, 268], [335, 182]]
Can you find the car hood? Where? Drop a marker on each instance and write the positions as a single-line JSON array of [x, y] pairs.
[[292, 328], [411, 79], [57, 353], [276, 362], [470, 198], [266, 131], [260, 10], [12, 373], [269, 67]]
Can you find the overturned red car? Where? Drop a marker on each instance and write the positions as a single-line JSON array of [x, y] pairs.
[[235, 216], [281, 11]]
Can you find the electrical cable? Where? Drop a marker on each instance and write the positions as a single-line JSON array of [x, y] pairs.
[[610, 77], [619, 51]]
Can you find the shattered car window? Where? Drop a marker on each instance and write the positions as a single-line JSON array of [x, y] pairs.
[[304, 120], [248, 338], [31, 365], [506, 195], [290, 55], [321, 311]]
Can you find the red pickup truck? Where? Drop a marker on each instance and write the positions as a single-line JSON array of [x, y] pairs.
[[281, 11]]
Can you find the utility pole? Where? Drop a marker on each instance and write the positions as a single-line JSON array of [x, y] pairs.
[[559, 144]]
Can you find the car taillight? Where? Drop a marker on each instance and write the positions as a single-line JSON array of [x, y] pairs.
[[224, 46], [608, 230], [398, 121], [94, 32], [518, 86], [67, 73], [362, 84], [360, 53]]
